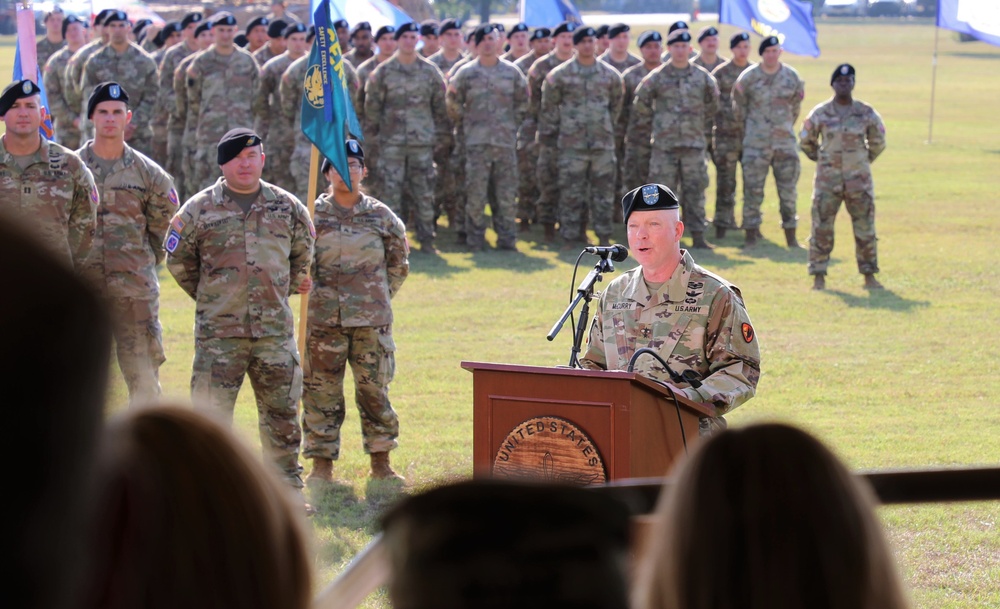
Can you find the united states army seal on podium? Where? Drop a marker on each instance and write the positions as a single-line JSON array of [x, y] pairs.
[[551, 449]]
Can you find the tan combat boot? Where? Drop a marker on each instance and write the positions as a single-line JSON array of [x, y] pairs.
[[790, 239], [698, 242], [753, 234], [381, 470], [819, 281], [871, 283], [322, 472]]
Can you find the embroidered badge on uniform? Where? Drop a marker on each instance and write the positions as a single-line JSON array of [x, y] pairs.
[[96, 198], [172, 196], [747, 332], [174, 239], [177, 223]]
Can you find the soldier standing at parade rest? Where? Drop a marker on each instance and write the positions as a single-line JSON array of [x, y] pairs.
[[166, 99], [547, 169], [673, 115], [361, 45], [527, 150], [54, 38], [728, 144], [446, 174], [137, 201], [708, 57], [429, 38], [239, 248], [767, 98], [218, 81], [267, 105], [581, 100], [359, 265], [651, 48], [517, 38], [407, 120], [43, 184], [385, 42], [181, 125], [66, 117], [275, 42], [695, 320], [487, 99], [844, 136], [617, 55], [73, 76]]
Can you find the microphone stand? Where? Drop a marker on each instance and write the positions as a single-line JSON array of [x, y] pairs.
[[585, 293]]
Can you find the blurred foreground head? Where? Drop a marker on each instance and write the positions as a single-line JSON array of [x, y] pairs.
[[55, 342], [766, 516], [190, 519], [493, 544]]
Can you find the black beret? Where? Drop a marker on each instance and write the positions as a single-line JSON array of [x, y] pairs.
[[706, 32], [139, 26], [844, 69], [498, 26], [191, 18], [224, 18], [354, 151], [15, 91], [520, 27], [618, 28], [406, 27], [679, 36], [257, 21], [602, 31], [582, 33], [468, 36], [449, 24], [649, 36], [483, 31], [171, 27], [738, 38], [364, 26], [241, 40], [341, 24], [770, 41], [295, 28], [276, 29], [385, 30], [678, 25], [113, 16], [70, 20], [158, 39], [99, 18], [106, 91], [564, 27], [429, 27], [234, 142], [310, 33], [647, 198], [542, 32], [203, 27]]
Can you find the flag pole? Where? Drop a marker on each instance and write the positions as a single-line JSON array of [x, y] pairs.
[[934, 62], [311, 205]]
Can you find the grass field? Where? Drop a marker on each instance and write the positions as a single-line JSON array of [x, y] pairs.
[[905, 377]]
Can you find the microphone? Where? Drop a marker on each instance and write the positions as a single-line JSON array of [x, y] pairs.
[[617, 251]]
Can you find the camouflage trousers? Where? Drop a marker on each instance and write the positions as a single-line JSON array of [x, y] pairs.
[[527, 181], [726, 156], [445, 189], [547, 178], [370, 351], [685, 171], [139, 346], [408, 171], [457, 219], [756, 162], [272, 363], [586, 181], [861, 206], [495, 169]]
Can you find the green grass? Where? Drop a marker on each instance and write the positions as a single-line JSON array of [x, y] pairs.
[[901, 378]]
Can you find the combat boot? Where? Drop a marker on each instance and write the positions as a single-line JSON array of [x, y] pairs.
[[381, 470], [720, 232], [790, 239], [550, 233], [322, 472], [753, 234], [698, 242], [819, 281], [871, 283]]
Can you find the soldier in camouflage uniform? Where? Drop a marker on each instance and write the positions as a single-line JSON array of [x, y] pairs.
[[446, 191], [54, 39], [386, 44], [276, 44], [487, 100], [518, 38], [429, 38], [694, 319], [66, 118], [651, 47], [673, 115], [166, 99], [844, 136], [137, 201], [406, 120], [617, 55], [124, 62], [708, 57], [728, 144], [361, 45], [547, 168], [239, 248], [42, 183], [527, 150], [767, 99], [73, 77], [360, 264], [169, 37], [218, 82], [267, 106], [181, 125], [581, 100]]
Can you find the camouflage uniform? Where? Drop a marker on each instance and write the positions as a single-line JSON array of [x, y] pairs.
[[768, 106], [73, 77], [442, 62], [181, 126], [264, 54], [166, 101], [696, 321], [360, 263], [373, 182], [527, 157], [580, 105], [447, 191], [673, 114], [844, 141], [220, 97], [406, 118], [137, 201], [630, 172], [621, 66], [489, 103], [62, 112], [546, 168], [728, 146], [267, 108], [355, 58], [45, 49], [709, 67], [149, 45], [135, 71], [240, 269], [55, 196]]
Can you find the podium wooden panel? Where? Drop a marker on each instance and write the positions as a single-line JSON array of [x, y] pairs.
[[631, 420]]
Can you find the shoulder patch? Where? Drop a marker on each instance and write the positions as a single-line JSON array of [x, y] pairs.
[[94, 196], [748, 333], [172, 197], [177, 223], [174, 238]]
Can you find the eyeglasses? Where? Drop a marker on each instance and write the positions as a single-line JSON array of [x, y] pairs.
[[355, 166]]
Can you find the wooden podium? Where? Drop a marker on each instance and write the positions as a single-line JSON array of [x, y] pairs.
[[578, 426]]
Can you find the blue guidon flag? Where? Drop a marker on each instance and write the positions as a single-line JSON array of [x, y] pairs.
[[790, 20]]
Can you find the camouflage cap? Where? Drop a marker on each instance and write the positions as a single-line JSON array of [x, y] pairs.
[[234, 142], [648, 197], [649, 36], [677, 25], [406, 27], [276, 29], [618, 28], [15, 91], [770, 41], [258, 22], [706, 32], [106, 91], [540, 33], [844, 69], [738, 38], [582, 33], [191, 18], [296, 28]]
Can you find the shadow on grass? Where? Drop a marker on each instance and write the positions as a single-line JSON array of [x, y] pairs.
[[777, 252], [880, 299], [993, 56], [341, 516], [519, 261]]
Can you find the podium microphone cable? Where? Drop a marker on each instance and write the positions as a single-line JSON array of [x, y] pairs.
[[677, 378]]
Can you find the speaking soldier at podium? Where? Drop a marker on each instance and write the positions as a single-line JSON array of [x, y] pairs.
[[691, 318]]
